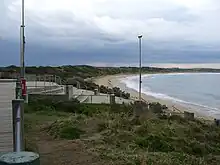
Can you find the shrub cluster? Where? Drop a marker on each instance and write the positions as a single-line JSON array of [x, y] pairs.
[[88, 85], [117, 137]]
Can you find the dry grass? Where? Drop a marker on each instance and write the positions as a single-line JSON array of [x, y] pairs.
[[111, 136]]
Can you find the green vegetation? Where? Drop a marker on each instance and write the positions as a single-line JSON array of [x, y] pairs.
[[89, 85], [105, 134], [84, 74], [85, 71]]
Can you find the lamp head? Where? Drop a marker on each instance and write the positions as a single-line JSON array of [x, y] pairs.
[[140, 36]]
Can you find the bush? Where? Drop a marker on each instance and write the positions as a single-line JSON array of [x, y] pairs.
[[65, 129], [70, 132], [118, 108], [92, 86], [45, 103], [72, 106], [117, 91], [143, 129], [123, 139], [102, 126], [178, 119], [154, 143], [157, 107]]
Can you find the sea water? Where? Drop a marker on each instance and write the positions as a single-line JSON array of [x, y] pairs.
[[199, 91]]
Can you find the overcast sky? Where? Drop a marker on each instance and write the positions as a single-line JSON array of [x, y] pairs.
[[105, 31]]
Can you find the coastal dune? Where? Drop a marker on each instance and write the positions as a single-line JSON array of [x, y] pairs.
[[115, 81]]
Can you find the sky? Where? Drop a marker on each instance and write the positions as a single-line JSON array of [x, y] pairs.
[[104, 32]]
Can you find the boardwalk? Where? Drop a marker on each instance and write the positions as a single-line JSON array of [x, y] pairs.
[[7, 94]]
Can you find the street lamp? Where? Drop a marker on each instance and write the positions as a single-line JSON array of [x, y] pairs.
[[18, 109], [140, 81], [22, 42], [22, 50]]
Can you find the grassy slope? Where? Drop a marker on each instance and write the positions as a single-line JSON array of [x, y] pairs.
[[69, 133]]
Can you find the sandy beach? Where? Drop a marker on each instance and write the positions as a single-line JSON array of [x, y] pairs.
[[114, 81]]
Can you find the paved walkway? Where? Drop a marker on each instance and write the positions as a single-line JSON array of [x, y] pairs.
[[7, 94]]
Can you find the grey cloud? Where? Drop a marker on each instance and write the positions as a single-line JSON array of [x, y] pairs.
[[181, 15], [110, 27], [154, 18]]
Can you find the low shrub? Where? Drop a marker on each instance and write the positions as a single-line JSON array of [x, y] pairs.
[[66, 129], [157, 107], [70, 132], [154, 143]]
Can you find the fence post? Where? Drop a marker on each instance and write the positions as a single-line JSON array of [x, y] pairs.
[[18, 124], [60, 81], [35, 83], [44, 82], [96, 92], [69, 92], [55, 79], [50, 82], [20, 158]]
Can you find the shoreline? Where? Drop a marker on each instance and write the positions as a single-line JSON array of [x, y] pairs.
[[114, 81]]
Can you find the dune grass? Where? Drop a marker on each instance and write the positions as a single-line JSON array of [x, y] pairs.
[[112, 133]]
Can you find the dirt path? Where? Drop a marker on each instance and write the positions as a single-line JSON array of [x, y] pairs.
[[62, 152]]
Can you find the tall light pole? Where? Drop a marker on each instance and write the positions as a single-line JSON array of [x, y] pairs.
[[22, 43], [22, 50], [140, 67], [20, 79], [18, 108]]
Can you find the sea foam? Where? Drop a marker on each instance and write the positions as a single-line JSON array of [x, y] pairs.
[[133, 83]]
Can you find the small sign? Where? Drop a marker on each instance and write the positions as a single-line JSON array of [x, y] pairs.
[[24, 88]]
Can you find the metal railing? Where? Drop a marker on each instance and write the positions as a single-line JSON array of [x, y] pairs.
[[101, 99]]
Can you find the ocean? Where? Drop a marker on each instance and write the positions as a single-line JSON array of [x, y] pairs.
[[197, 91]]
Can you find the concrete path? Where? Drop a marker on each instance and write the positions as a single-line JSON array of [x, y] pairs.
[[7, 94]]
